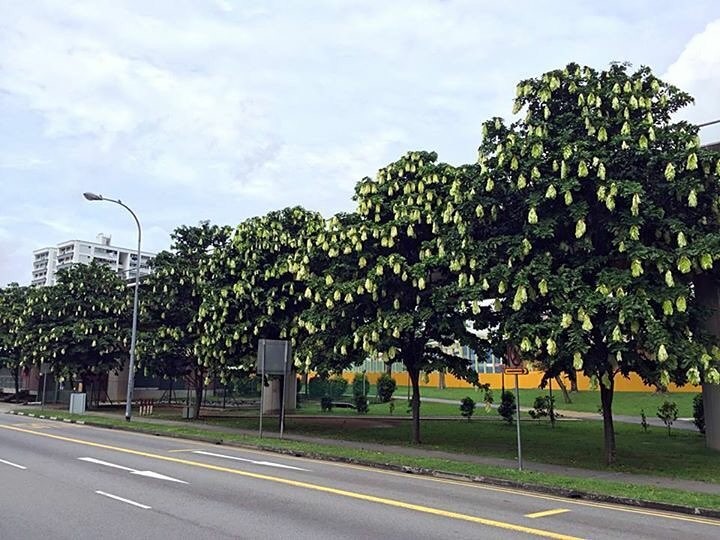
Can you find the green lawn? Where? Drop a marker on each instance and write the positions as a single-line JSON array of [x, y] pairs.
[[624, 403], [572, 443]]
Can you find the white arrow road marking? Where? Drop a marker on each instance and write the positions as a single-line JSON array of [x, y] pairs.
[[149, 474], [107, 464], [255, 462], [158, 476], [128, 501], [13, 464]]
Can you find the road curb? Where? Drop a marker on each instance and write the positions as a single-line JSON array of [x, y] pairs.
[[488, 480]]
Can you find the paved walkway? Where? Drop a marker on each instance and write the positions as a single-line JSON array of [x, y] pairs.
[[415, 451]]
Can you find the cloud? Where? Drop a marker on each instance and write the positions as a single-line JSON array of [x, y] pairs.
[[220, 110], [697, 71]]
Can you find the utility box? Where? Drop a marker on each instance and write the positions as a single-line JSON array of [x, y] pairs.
[[77, 403]]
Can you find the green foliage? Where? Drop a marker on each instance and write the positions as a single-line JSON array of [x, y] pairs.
[[13, 301], [668, 412], [467, 407], [385, 386], [170, 300], [317, 387], [544, 406], [507, 406], [360, 385], [326, 404], [243, 384], [334, 387], [643, 420], [81, 325], [170, 332], [361, 403], [255, 289], [385, 289], [699, 413], [619, 210]]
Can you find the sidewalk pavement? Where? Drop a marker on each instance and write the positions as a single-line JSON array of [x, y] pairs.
[[416, 451]]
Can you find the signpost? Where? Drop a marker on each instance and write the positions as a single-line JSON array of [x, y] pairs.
[[273, 358], [515, 366]]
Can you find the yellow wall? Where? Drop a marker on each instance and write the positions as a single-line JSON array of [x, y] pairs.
[[531, 380]]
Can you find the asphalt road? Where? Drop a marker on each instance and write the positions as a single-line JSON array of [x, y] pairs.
[[62, 481]]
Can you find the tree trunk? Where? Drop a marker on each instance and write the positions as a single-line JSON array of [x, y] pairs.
[[414, 374], [199, 385], [573, 381], [563, 388], [388, 368], [441, 380], [606, 398], [16, 378]]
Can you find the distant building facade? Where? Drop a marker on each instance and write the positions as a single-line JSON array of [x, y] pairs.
[[47, 262]]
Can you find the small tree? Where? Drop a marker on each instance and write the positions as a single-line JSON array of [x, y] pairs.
[[360, 385], [699, 413], [667, 412], [361, 403], [326, 404], [467, 407], [643, 420], [507, 406], [544, 406], [386, 386]]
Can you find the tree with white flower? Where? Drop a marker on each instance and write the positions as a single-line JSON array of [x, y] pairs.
[[385, 288], [255, 288], [81, 325], [615, 214]]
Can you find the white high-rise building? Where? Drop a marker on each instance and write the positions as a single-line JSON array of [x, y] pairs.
[[47, 262]]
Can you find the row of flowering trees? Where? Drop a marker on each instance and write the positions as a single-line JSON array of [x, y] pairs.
[[577, 240]]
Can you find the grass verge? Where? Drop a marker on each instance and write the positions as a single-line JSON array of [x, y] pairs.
[[571, 486], [624, 403], [682, 455]]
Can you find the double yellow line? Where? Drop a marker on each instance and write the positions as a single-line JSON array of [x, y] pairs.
[[306, 485]]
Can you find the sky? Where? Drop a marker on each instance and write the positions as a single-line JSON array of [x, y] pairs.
[[220, 110]]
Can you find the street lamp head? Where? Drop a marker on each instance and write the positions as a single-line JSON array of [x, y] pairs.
[[92, 196]]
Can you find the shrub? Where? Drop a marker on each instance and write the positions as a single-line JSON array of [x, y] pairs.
[[643, 420], [317, 387], [361, 404], [667, 412], [488, 399], [386, 386], [699, 413], [326, 404], [507, 406], [544, 406], [467, 407], [360, 385], [244, 385], [336, 386], [333, 387]]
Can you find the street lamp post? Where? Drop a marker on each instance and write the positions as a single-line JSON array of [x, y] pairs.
[[133, 337]]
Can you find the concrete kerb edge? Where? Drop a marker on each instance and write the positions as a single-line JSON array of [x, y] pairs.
[[489, 480]]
